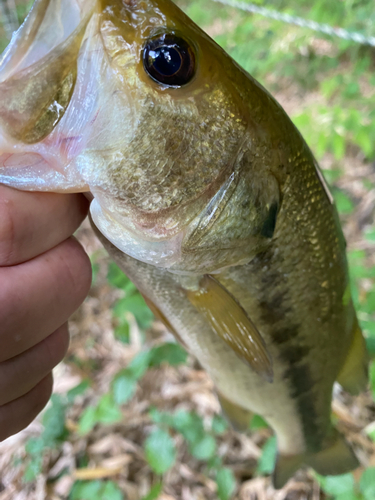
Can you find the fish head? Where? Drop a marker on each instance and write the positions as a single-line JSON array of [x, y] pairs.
[[183, 127], [136, 104]]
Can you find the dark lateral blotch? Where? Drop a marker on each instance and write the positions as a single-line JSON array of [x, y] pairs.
[[284, 335]]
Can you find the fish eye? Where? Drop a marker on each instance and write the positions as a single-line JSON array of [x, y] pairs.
[[169, 60]]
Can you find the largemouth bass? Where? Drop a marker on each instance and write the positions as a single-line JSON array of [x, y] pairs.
[[207, 197]]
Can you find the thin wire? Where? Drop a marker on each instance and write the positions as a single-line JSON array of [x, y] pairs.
[[9, 20], [299, 21]]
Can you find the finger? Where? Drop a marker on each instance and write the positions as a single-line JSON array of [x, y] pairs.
[[39, 296], [20, 374], [17, 415], [32, 223]]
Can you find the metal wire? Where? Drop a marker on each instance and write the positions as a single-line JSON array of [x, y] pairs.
[[8, 17], [299, 21], [9, 20]]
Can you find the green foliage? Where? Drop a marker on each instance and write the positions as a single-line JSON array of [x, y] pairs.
[[132, 303], [124, 385], [23, 10], [226, 483], [267, 460], [78, 390], [219, 425], [370, 234], [364, 301], [345, 487], [95, 490], [258, 422], [170, 353], [54, 432], [106, 411], [125, 382], [337, 485], [160, 451], [154, 492], [341, 487], [136, 305], [372, 379], [367, 484], [204, 448], [343, 203], [189, 424], [117, 279], [87, 420], [94, 257], [201, 443], [122, 332]]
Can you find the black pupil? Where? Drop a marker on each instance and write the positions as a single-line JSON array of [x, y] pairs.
[[169, 60], [166, 60]]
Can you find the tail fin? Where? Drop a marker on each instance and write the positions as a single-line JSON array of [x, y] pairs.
[[286, 466], [337, 458]]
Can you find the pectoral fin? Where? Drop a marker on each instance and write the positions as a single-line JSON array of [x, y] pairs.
[[231, 323]]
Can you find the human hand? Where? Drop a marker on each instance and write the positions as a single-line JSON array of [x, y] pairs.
[[44, 276]]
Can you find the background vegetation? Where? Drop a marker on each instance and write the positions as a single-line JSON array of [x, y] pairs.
[[327, 86]]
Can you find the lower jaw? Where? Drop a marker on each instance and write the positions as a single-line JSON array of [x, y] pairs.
[[163, 253]]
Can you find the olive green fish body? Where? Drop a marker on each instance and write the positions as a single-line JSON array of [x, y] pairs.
[[234, 379], [296, 292]]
